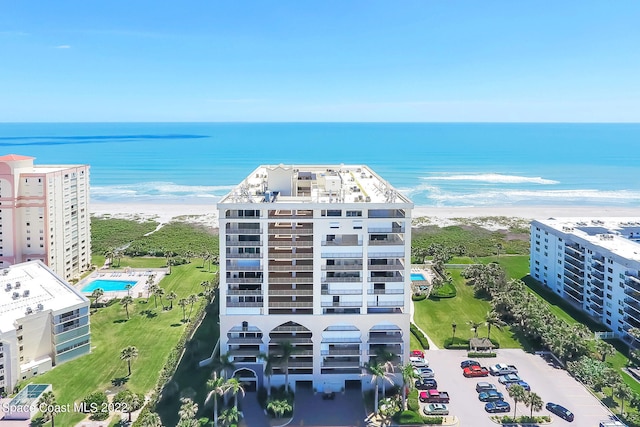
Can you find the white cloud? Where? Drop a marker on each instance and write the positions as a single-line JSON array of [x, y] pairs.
[[63, 46]]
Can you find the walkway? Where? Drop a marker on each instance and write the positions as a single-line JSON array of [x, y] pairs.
[[432, 345], [254, 415]]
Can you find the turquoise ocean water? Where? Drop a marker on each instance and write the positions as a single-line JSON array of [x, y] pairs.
[[434, 164]]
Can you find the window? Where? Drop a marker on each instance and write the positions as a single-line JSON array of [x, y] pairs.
[[610, 270], [354, 213]]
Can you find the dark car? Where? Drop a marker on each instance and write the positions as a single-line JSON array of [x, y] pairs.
[[467, 363], [484, 386], [426, 384], [499, 406], [560, 411], [521, 383], [490, 396]]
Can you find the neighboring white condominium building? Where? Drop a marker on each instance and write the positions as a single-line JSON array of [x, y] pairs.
[[44, 215], [318, 257], [594, 264], [43, 322]]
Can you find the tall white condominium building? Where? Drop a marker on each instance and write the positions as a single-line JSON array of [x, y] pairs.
[[44, 215], [317, 257], [594, 264], [43, 322]]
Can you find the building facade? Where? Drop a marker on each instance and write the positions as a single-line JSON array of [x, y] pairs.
[[44, 215], [314, 261], [594, 264], [43, 322]]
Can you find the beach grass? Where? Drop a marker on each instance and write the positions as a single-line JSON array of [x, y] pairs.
[[153, 331], [114, 233]]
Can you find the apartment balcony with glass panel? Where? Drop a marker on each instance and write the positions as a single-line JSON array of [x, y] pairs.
[[576, 262], [632, 279], [596, 308], [289, 214], [632, 308], [389, 239], [595, 299], [632, 293], [394, 227], [327, 289], [383, 264], [573, 295]]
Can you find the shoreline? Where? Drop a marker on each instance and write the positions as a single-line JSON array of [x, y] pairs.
[[207, 214]]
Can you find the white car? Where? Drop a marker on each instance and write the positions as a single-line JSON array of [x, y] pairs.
[[418, 362]]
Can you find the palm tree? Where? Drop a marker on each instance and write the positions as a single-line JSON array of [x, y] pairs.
[[235, 387], [188, 409], [385, 358], [206, 256], [269, 361], [217, 386], [230, 416], [535, 402], [191, 299], [287, 350], [117, 254], [168, 255], [109, 254], [151, 419], [160, 292], [225, 365], [183, 303], [493, 319], [215, 259], [126, 301], [97, 294], [128, 288], [152, 289], [408, 375], [454, 326], [517, 393], [49, 407], [474, 327], [605, 349], [611, 378], [377, 373], [130, 401], [188, 254], [279, 407], [624, 392], [128, 354], [172, 295]]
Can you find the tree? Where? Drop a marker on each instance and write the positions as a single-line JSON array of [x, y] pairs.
[[191, 300], [97, 294], [286, 351], [624, 392], [279, 407], [385, 358], [234, 386], [128, 288], [517, 393], [377, 373], [408, 375], [269, 361], [225, 365], [151, 419], [611, 378], [126, 301], [49, 407], [168, 255], [128, 354], [109, 254], [129, 400], [160, 292], [604, 349], [493, 319], [117, 253], [188, 422], [188, 409], [172, 295], [230, 416], [534, 402], [454, 326], [474, 327], [182, 302], [217, 386]]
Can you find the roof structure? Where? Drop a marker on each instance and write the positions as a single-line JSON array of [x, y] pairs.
[[14, 158]]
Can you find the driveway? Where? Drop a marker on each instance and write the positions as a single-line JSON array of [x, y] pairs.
[[551, 383], [346, 409], [253, 414]]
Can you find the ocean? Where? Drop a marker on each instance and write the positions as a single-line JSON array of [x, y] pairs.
[[435, 164]]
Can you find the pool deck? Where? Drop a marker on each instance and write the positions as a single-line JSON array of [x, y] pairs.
[[138, 275]]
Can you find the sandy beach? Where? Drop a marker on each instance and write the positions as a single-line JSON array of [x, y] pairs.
[[206, 214]]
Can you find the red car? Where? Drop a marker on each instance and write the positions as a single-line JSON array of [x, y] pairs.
[[417, 353], [475, 371]]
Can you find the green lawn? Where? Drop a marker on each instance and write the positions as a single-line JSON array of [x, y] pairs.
[[436, 316], [153, 331]]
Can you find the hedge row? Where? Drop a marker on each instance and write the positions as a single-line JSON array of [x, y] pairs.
[[424, 342]]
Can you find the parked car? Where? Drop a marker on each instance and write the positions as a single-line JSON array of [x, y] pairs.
[[417, 353], [434, 396], [418, 362], [490, 396], [502, 369], [475, 371], [485, 386], [436, 409], [510, 378], [424, 372], [525, 385], [560, 411], [497, 406], [467, 363], [426, 384]]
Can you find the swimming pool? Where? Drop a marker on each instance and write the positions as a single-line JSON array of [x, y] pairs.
[[108, 285], [417, 277]]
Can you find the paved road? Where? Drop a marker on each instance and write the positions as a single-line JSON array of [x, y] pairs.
[[254, 416], [551, 383], [347, 409]]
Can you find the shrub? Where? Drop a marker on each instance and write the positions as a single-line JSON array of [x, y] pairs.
[[448, 290], [457, 342], [412, 401], [94, 404], [481, 354], [433, 420], [419, 336], [407, 417], [418, 297]]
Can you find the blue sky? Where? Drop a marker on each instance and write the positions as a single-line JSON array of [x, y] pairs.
[[329, 60]]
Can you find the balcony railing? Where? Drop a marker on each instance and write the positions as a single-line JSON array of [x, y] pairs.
[[381, 279], [633, 294], [385, 291], [326, 291], [596, 308], [247, 340], [290, 231], [340, 243], [235, 267], [398, 303], [291, 339], [385, 339], [273, 255], [634, 277], [242, 352], [596, 300], [244, 292], [633, 284], [250, 243], [341, 352], [386, 267], [354, 267], [577, 296], [384, 230], [291, 268], [341, 255], [342, 279], [287, 280], [340, 364], [245, 255], [243, 279], [386, 242], [244, 304], [243, 231], [297, 292], [289, 243], [291, 304], [341, 304]]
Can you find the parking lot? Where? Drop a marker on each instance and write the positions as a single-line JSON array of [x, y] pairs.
[[550, 383]]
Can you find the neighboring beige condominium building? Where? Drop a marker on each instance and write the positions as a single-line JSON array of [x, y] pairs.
[[594, 264], [44, 215], [317, 257], [43, 322]]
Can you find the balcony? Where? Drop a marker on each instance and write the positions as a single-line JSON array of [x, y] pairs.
[[249, 243], [599, 284], [633, 284], [392, 266], [327, 291], [632, 322], [341, 364], [291, 339], [355, 351], [633, 294], [634, 277], [243, 231], [574, 248], [573, 269], [256, 280], [381, 279], [597, 275], [243, 256], [290, 280], [576, 296], [598, 260], [241, 352], [291, 292], [282, 214], [244, 340], [291, 268], [596, 300], [341, 243], [574, 262], [342, 267], [385, 291], [633, 310], [598, 267], [341, 303], [286, 255], [290, 244], [384, 339], [290, 231], [571, 280], [333, 279], [341, 255], [235, 267], [244, 292], [397, 303], [291, 304], [597, 292], [244, 304], [387, 242], [596, 308], [384, 230]]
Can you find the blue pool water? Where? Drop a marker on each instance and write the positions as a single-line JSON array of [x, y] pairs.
[[417, 276], [108, 285]]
